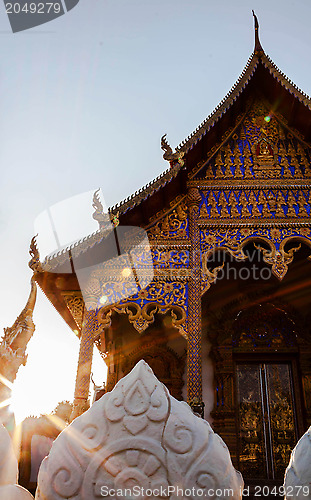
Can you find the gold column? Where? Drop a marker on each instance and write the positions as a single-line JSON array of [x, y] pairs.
[[194, 363], [81, 397]]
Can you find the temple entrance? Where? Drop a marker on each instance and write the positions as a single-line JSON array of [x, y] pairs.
[[267, 420]]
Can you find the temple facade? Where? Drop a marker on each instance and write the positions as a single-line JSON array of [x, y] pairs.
[[224, 318]]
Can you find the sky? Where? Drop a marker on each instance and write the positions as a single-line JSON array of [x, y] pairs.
[[84, 101]]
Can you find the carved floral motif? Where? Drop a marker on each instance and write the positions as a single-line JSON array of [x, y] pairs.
[[233, 240], [137, 435], [173, 225], [75, 304], [159, 297]]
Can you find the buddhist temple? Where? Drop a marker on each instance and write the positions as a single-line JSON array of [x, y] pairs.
[[221, 311]]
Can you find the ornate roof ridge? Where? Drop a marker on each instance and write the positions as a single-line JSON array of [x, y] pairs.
[[223, 106], [252, 63], [80, 246], [75, 249], [146, 191], [285, 81]]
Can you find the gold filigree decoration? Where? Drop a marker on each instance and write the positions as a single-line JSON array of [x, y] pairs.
[[142, 317], [263, 203], [261, 147], [115, 219], [159, 297], [168, 152], [209, 277], [75, 304], [173, 225], [34, 263], [278, 259], [233, 240]]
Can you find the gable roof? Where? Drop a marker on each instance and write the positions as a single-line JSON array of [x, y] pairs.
[[141, 209], [255, 60], [260, 72]]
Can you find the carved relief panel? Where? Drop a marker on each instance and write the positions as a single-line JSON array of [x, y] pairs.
[[259, 146]]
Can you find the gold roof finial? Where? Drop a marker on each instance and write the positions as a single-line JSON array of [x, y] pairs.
[[34, 263], [168, 153], [258, 48]]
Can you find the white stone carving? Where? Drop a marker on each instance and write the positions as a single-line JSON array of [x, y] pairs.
[[297, 480], [140, 438], [9, 471]]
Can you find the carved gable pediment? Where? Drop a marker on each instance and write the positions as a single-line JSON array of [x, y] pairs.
[[260, 145]]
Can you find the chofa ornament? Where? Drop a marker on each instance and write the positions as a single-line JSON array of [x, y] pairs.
[[140, 439]]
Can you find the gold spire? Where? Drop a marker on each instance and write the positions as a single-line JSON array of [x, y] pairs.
[[258, 48]]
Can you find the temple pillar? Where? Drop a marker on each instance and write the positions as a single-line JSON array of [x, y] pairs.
[[83, 378], [194, 360], [224, 413]]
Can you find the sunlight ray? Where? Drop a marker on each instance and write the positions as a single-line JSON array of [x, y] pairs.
[[5, 381]]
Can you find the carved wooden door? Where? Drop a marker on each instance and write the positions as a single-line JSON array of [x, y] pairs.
[[267, 422]]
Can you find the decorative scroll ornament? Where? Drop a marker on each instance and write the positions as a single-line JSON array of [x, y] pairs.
[[233, 240], [279, 259], [142, 317], [34, 263], [115, 219], [158, 297], [75, 304], [137, 434], [172, 225], [209, 277], [168, 153]]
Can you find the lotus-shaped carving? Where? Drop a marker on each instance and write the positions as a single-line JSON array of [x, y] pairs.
[[138, 441]]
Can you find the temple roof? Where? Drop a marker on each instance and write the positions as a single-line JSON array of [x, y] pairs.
[[261, 79], [255, 60], [261, 73]]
